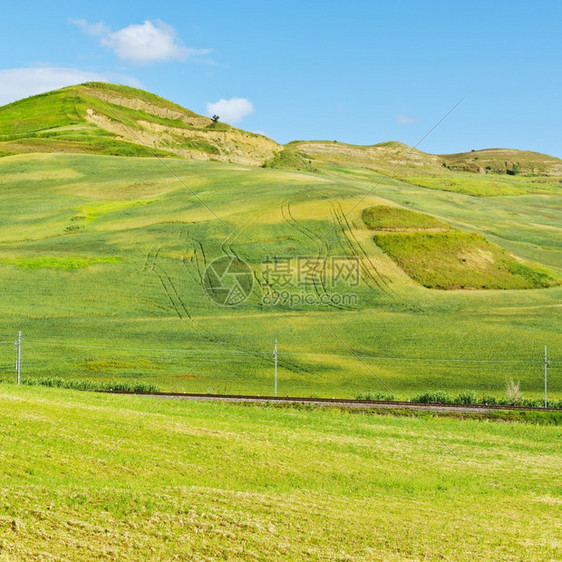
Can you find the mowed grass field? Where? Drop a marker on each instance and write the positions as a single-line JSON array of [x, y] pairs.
[[102, 261], [113, 477]]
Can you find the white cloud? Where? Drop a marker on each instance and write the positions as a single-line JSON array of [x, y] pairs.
[[91, 28], [142, 43], [232, 110], [404, 120], [18, 83]]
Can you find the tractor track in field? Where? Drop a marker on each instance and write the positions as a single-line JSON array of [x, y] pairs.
[[168, 286], [177, 304], [372, 274], [334, 402], [323, 251]]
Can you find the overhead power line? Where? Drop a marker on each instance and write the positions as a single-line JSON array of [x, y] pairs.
[[288, 353]]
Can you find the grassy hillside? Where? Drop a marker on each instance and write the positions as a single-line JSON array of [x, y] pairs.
[[122, 121], [94, 476], [102, 262], [482, 173], [440, 257], [459, 260], [505, 161], [104, 259], [118, 120], [397, 219]]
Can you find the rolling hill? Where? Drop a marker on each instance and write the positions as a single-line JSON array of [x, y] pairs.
[[99, 118], [396, 155], [109, 119], [105, 253], [483, 173]]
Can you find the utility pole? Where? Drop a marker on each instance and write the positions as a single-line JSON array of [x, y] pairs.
[[18, 360], [275, 355], [545, 377]]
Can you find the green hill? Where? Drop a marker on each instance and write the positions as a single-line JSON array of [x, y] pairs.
[[505, 161], [99, 118], [104, 259], [481, 172], [122, 121]]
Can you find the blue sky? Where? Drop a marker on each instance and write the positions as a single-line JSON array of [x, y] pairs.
[[354, 71]]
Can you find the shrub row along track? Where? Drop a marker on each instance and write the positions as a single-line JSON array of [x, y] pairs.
[[333, 402]]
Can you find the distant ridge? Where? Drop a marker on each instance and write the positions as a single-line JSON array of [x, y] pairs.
[[390, 154]]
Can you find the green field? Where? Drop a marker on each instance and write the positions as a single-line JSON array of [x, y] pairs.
[[113, 477], [101, 262]]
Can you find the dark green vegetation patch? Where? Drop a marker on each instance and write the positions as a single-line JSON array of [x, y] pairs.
[[291, 159], [460, 260], [395, 218]]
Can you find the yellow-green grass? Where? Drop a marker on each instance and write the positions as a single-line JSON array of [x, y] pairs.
[[145, 316], [290, 159], [45, 113], [111, 477], [459, 260], [528, 225], [395, 218], [484, 185], [486, 173], [65, 262], [89, 145], [438, 259]]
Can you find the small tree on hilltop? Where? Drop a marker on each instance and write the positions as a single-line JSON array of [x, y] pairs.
[[215, 118]]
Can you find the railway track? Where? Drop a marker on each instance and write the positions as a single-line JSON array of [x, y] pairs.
[[333, 402]]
